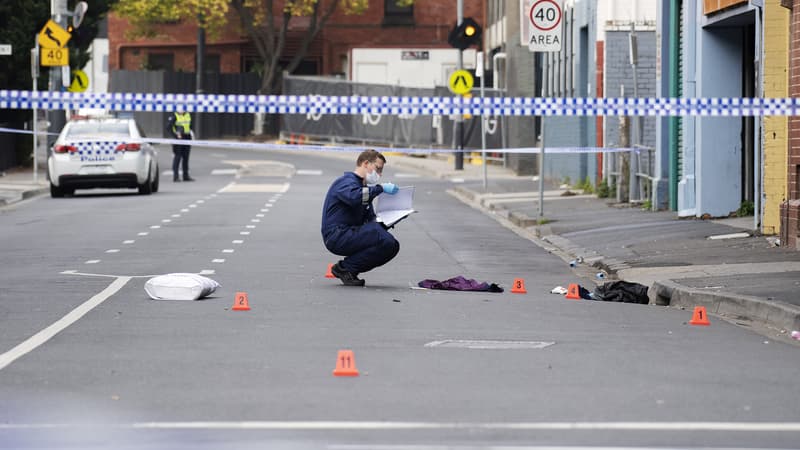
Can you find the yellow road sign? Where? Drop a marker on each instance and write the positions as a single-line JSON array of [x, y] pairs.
[[54, 57], [53, 36], [80, 81], [460, 82]]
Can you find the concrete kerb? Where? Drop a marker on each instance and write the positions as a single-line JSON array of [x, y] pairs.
[[773, 314]]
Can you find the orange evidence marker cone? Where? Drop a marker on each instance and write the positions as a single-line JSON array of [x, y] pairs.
[[240, 302], [345, 364], [699, 317], [329, 274], [519, 286], [573, 292]]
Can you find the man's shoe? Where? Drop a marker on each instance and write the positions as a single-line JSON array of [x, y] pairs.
[[188, 178], [175, 179], [348, 278]]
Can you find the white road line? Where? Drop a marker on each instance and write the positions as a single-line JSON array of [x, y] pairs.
[[192, 206], [747, 427], [143, 233], [155, 227], [265, 210], [112, 250], [129, 241], [92, 261], [255, 220], [176, 215], [184, 210], [260, 215], [200, 201], [244, 233], [224, 172], [250, 226], [207, 272], [308, 172], [166, 220], [227, 250], [219, 260], [45, 335], [238, 241]]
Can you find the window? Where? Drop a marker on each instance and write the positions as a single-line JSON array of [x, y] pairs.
[[160, 61], [397, 15]]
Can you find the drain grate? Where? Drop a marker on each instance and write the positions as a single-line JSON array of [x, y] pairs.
[[490, 345]]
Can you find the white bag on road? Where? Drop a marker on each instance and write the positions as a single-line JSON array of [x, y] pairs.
[[180, 286]]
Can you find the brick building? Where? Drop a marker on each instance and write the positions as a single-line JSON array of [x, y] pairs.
[[384, 25], [790, 209]]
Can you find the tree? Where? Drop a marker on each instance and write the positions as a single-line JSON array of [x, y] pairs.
[[266, 26]]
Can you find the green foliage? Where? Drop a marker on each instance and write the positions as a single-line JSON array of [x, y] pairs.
[[647, 205], [603, 191], [746, 209], [587, 186], [543, 221], [567, 181]]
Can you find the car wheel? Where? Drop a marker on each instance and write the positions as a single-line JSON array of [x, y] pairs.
[[55, 191], [147, 187], [155, 181]]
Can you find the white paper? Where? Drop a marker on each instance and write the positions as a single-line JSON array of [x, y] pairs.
[[392, 208]]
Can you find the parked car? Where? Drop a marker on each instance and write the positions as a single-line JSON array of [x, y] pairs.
[[102, 153]]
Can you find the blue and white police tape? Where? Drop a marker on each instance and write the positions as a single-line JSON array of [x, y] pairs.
[[267, 146], [318, 104]]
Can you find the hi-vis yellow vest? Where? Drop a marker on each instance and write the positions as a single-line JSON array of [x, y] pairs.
[[183, 121]]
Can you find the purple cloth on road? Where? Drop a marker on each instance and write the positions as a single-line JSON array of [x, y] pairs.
[[460, 283]]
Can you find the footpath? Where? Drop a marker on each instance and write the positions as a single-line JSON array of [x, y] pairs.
[[723, 265]]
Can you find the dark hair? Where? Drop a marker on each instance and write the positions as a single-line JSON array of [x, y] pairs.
[[370, 155]]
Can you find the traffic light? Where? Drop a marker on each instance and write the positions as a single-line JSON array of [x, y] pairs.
[[465, 35]]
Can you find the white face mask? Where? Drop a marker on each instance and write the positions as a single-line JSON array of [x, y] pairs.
[[373, 178]]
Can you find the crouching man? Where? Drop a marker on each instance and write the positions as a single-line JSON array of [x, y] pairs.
[[349, 228]]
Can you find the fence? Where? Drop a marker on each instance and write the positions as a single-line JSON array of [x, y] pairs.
[[402, 130], [212, 125]]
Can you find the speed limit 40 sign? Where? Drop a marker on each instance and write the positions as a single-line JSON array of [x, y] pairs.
[[541, 23]]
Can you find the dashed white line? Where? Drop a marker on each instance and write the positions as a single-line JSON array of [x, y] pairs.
[[192, 206], [219, 260], [184, 210], [112, 250], [255, 220], [207, 272], [260, 215], [265, 210], [92, 261], [155, 227], [227, 250], [166, 220], [143, 233], [250, 226], [238, 241], [244, 233], [176, 215], [129, 241], [200, 201]]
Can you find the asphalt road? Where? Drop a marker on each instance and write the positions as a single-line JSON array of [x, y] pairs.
[[87, 360]]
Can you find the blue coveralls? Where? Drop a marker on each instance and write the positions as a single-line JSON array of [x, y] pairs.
[[349, 228]]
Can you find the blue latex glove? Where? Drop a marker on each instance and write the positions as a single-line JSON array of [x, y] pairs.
[[390, 188]]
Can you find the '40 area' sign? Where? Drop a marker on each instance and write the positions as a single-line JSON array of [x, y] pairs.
[[540, 22]]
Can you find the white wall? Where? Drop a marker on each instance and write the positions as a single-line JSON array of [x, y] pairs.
[[622, 12], [386, 66], [97, 67]]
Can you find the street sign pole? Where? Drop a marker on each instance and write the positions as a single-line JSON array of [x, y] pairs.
[[541, 31], [35, 79], [479, 69]]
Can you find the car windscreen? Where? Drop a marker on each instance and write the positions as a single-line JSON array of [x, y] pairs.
[[98, 129]]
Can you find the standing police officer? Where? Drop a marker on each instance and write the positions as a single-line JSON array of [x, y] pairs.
[[349, 228], [179, 125]]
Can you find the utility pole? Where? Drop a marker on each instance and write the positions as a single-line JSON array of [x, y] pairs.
[[459, 117], [201, 50], [57, 118]]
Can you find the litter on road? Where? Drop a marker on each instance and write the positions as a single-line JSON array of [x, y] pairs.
[[180, 286]]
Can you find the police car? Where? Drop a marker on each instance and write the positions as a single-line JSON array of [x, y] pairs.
[[102, 153]]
